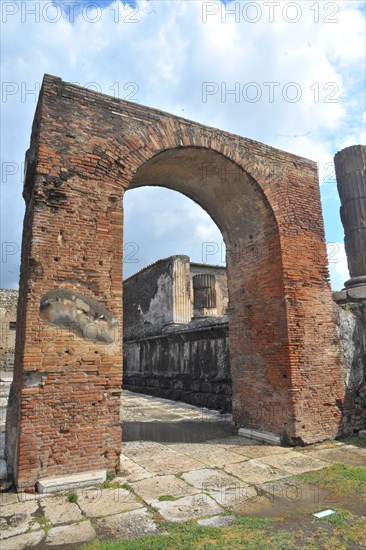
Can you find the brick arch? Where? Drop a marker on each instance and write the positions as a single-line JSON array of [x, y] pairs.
[[257, 311], [86, 150]]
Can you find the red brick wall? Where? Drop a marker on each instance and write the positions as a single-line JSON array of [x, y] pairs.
[[87, 149]]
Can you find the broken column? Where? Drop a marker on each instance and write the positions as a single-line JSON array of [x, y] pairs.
[[350, 166]]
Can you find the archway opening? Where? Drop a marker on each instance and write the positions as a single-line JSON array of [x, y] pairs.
[[235, 203], [176, 345]]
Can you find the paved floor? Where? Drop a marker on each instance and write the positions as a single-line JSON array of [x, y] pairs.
[[181, 462]]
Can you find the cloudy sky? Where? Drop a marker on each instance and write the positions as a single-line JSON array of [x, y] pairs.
[[289, 74]]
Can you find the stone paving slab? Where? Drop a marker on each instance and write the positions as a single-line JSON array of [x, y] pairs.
[[20, 542], [187, 508], [219, 458], [139, 448], [346, 454], [190, 448], [208, 479], [26, 497], [225, 489], [167, 462], [17, 519], [217, 521], [129, 525], [10, 498], [71, 534], [295, 492], [103, 502], [259, 451], [58, 510], [154, 414], [153, 488], [130, 471], [253, 471], [232, 441], [294, 463], [207, 454]]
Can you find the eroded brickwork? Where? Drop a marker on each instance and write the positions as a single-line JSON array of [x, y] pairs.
[[86, 149]]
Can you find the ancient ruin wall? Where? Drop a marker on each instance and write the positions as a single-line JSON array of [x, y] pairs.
[[139, 291], [190, 364], [352, 329], [221, 284], [86, 149], [153, 297], [8, 316]]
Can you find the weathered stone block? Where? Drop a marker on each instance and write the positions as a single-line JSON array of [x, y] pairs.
[[70, 482]]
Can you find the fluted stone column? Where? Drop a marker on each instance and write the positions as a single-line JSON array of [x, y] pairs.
[[350, 166], [181, 300], [204, 288]]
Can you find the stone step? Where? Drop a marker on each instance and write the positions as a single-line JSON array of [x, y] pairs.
[[72, 481]]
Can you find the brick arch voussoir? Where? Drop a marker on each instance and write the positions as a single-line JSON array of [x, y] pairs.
[[120, 157], [164, 138]]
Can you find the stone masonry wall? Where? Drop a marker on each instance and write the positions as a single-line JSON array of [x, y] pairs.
[[162, 294], [189, 364], [148, 300], [8, 316], [352, 328]]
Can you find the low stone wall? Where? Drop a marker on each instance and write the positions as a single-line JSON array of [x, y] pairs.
[[188, 363], [352, 329]]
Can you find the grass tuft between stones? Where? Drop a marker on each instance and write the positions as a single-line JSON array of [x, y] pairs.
[[167, 498], [73, 496], [110, 485], [340, 479], [44, 523]]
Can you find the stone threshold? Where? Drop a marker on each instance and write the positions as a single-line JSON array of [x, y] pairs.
[[70, 482], [259, 435]]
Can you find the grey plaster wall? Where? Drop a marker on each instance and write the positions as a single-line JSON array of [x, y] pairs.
[[147, 300]]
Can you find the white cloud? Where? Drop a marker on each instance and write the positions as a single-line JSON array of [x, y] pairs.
[[204, 231], [338, 267]]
